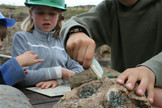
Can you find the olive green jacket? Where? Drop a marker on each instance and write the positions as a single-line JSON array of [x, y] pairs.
[[133, 33]]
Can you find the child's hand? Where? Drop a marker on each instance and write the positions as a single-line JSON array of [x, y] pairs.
[[47, 84], [66, 74], [140, 74], [28, 59], [25, 71]]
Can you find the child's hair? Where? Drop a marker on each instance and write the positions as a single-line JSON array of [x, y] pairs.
[[3, 29], [28, 25]]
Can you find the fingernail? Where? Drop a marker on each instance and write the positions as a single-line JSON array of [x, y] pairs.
[[26, 73], [119, 80], [140, 91], [150, 100], [129, 85]]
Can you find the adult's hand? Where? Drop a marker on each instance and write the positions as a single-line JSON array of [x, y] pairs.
[[157, 98], [81, 48], [140, 74]]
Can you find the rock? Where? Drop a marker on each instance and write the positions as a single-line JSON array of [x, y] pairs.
[[105, 62], [102, 54], [88, 75], [82, 78], [102, 93], [11, 97]]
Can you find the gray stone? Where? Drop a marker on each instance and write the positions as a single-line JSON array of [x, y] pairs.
[[11, 97]]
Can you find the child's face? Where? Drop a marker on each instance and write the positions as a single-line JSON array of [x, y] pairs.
[[44, 17]]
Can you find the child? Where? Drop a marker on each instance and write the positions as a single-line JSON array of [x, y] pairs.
[[41, 35], [11, 72]]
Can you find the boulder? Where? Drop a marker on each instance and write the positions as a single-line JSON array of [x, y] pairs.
[[11, 97]]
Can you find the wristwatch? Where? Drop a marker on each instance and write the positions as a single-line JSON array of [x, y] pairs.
[[75, 30]]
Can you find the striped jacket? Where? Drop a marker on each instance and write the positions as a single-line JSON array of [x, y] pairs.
[[50, 49]]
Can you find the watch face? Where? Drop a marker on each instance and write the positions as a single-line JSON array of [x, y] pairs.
[[75, 30]]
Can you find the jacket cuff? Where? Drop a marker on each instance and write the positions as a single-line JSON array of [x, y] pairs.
[[55, 72], [156, 67], [58, 71], [12, 72], [70, 27], [59, 81]]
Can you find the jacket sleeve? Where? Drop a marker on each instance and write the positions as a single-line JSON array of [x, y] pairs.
[[155, 64], [43, 74], [11, 72], [96, 23], [73, 65], [34, 76]]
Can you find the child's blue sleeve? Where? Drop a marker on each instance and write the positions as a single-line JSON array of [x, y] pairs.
[[1, 79], [11, 72]]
